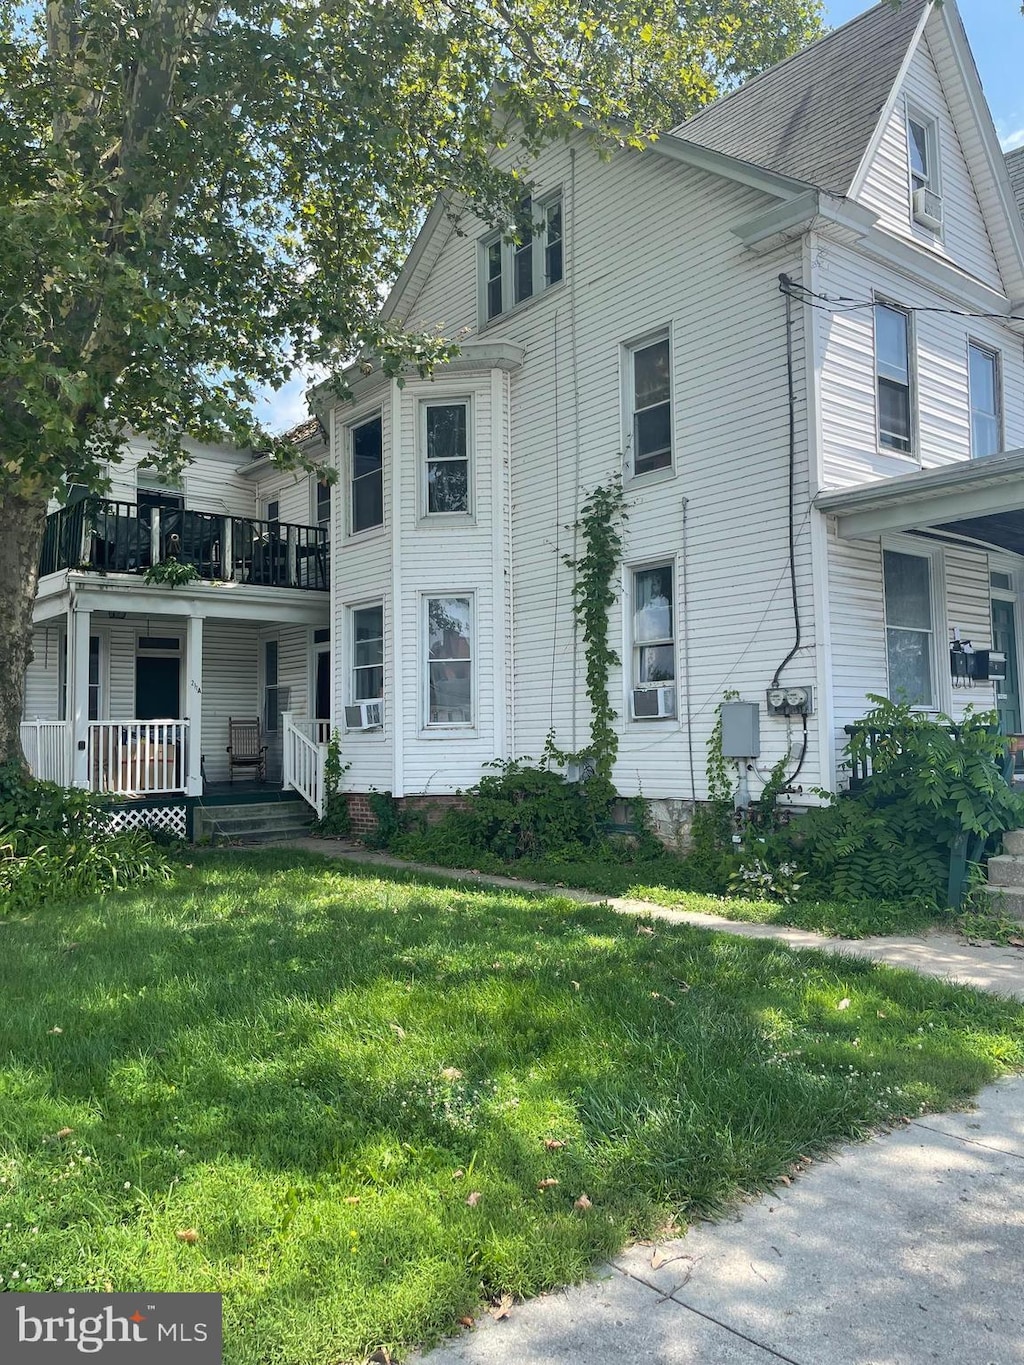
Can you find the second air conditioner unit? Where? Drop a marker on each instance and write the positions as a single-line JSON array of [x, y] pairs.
[[364, 715], [928, 209], [653, 703]]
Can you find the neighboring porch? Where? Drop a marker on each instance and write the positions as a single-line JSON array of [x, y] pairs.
[[132, 690]]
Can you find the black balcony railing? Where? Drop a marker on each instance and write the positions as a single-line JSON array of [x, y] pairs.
[[120, 537]]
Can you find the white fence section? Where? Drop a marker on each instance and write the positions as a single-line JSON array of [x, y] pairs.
[[303, 766], [138, 757], [44, 743]]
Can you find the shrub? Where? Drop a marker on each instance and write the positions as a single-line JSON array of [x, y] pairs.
[[54, 842], [935, 788]]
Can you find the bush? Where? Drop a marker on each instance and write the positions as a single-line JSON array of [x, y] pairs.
[[54, 842], [935, 788]]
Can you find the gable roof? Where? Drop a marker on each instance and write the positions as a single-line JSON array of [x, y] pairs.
[[1015, 170], [812, 116]]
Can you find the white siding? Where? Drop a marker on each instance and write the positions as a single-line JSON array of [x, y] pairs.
[[211, 480], [230, 688], [845, 345], [630, 272], [42, 678], [964, 240]]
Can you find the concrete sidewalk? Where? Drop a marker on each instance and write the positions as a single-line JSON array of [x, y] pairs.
[[902, 1251], [933, 954], [905, 1250]]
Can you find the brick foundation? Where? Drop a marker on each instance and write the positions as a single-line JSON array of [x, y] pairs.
[[429, 808]]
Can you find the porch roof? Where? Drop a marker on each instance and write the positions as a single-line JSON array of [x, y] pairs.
[[980, 499]]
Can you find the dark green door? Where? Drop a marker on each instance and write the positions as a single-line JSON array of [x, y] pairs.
[[1004, 637], [157, 689]]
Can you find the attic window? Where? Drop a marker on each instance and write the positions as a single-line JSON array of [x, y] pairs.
[[925, 190], [515, 267]]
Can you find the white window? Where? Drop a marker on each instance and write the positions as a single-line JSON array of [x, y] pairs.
[[368, 653], [893, 378], [517, 265], [444, 436], [322, 503], [275, 698], [449, 660], [986, 401], [909, 628], [654, 645], [366, 451], [94, 679], [923, 142], [649, 391]]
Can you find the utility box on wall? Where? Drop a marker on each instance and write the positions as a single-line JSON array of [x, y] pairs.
[[741, 729]]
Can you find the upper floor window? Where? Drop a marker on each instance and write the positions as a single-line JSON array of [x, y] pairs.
[[649, 383], [893, 379], [925, 187], [909, 627], [322, 505], [654, 649], [526, 262], [367, 474], [445, 437], [986, 401]]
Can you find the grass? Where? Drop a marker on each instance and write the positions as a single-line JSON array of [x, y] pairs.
[[309, 1069], [668, 881]]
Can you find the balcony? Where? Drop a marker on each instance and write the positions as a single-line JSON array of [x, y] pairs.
[[107, 536]]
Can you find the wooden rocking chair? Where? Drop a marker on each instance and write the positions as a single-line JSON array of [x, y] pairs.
[[245, 749]]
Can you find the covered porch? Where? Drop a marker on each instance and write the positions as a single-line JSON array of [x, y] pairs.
[[133, 689]]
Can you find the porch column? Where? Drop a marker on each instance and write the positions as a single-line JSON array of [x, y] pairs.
[[77, 706], [194, 706]]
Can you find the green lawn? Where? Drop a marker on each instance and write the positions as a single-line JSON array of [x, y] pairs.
[[349, 1088]]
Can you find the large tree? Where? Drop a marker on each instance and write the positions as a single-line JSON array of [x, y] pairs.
[[196, 198]]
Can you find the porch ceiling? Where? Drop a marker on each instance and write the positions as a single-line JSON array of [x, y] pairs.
[[212, 601], [980, 499]]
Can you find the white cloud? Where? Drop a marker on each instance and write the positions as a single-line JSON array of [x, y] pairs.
[[283, 409], [1013, 140]]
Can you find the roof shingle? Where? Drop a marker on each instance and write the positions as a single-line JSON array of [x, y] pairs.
[[812, 116]]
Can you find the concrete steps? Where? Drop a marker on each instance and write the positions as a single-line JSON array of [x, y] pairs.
[[1006, 877], [255, 822]]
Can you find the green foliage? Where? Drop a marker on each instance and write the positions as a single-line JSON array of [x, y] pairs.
[[756, 878], [594, 569], [933, 785], [171, 573], [521, 811], [55, 843], [298, 1059], [336, 821], [391, 822]]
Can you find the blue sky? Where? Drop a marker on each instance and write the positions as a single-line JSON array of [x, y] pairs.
[[996, 31]]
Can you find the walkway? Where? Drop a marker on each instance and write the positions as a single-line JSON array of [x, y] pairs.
[[906, 1250], [932, 954]]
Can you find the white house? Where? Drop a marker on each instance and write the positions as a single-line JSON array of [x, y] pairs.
[[790, 326], [793, 325], [133, 683]]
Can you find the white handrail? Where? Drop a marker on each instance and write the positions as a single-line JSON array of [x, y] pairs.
[[302, 764], [44, 744], [138, 757]]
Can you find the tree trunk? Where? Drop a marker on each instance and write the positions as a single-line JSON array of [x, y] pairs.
[[22, 524]]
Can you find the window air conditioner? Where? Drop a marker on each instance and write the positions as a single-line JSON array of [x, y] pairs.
[[364, 715], [652, 703], [928, 208]]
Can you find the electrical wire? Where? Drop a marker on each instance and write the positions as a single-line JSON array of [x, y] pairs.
[[842, 303], [791, 391]]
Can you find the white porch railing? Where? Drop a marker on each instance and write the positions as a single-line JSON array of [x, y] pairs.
[[303, 763], [138, 757], [44, 743]]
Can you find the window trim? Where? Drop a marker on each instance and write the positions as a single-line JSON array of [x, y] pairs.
[[540, 207], [914, 453], [628, 389], [930, 124], [316, 479], [375, 414], [996, 356], [102, 637], [273, 638], [942, 684], [631, 647], [454, 728], [441, 401]]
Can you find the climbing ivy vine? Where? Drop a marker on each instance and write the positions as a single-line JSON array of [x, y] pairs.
[[600, 531]]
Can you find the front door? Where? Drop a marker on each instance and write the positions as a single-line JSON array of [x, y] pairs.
[[1004, 638], [157, 688], [323, 686]]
